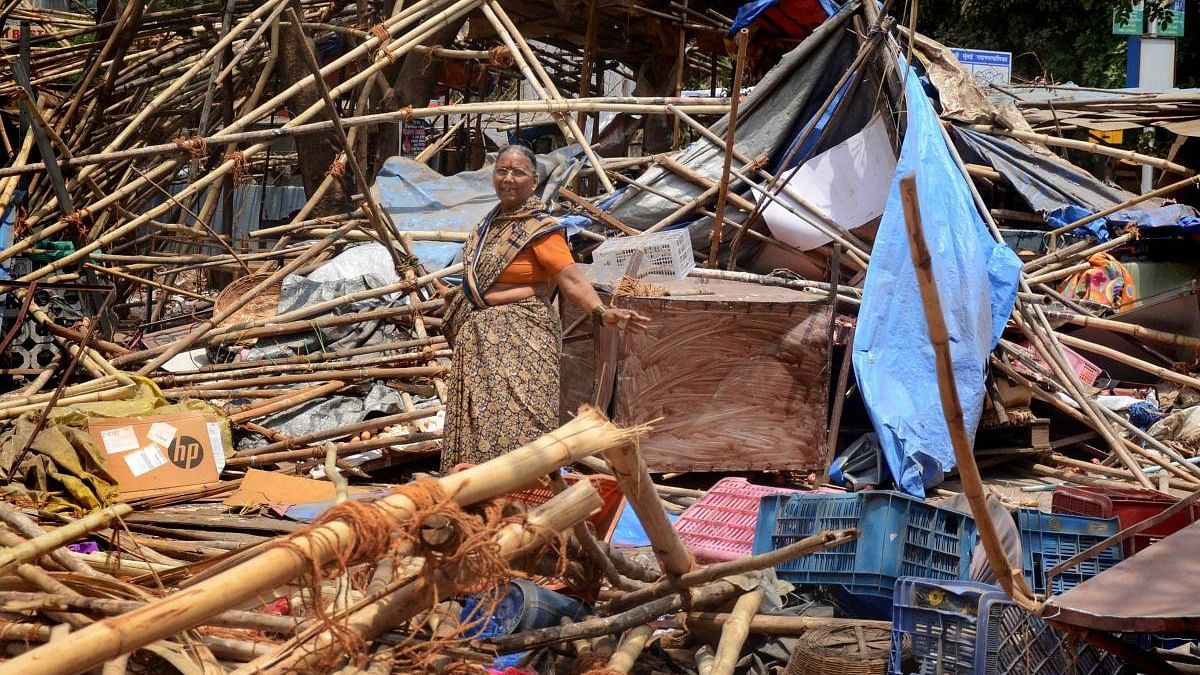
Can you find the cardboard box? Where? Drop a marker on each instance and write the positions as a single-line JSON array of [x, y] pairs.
[[160, 453]]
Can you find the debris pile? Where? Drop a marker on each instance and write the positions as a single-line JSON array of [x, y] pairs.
[[955, 372]]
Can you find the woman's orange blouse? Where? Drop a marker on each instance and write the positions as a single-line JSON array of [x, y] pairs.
[[542, 260]]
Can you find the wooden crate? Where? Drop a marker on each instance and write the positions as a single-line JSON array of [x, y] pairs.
[[737, 378]]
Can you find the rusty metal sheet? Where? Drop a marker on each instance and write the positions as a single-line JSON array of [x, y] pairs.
[[1156, 590]]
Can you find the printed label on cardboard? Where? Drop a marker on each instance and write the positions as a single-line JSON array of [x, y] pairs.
[[186, 452], [145, 460], [121, 439], [218, 446], [162, 434]]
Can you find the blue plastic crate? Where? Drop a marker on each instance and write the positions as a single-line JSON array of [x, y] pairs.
[[941, 620], [901, 536], [1014, 642], [1048, 539], [969, 628]]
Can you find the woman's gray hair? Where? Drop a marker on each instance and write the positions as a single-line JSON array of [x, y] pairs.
[[524, 152]]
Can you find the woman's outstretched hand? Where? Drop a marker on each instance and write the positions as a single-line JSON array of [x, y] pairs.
[[621, 319]]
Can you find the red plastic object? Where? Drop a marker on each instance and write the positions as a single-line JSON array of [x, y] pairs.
[[604, 521], [720, 526], [1130, 505]]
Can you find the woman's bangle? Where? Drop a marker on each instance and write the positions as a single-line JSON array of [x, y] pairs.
[[599, 310]]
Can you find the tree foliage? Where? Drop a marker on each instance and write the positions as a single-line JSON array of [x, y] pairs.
[[1054, 40]]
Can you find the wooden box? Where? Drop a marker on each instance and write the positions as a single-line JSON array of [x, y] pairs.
[[733, 379]]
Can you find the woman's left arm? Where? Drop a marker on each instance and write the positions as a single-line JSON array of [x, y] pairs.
[[576, 288]]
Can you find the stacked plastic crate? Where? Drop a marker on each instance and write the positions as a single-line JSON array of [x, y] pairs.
[[901, 536]]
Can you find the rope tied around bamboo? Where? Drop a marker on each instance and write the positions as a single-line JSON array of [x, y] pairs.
[[380, 32], [241, 175], [460, 553], [196, 146], [337, 169], [79, 221], [500, 57]]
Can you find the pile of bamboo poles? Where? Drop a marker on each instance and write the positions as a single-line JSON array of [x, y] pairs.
[[153, 599]]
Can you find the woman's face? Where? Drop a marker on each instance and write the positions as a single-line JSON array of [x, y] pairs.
[[514, 179]]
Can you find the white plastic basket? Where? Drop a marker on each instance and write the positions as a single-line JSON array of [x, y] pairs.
[[664, 255]]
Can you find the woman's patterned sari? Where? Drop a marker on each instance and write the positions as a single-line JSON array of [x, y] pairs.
[[503, 389]]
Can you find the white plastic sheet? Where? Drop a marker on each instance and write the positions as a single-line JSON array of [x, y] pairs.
[[847, 184]]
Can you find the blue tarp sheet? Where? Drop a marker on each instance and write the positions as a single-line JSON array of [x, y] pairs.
[[1065, 193], [893, 359]]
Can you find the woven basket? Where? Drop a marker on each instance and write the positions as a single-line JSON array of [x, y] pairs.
[[263, 305], [848, 649]]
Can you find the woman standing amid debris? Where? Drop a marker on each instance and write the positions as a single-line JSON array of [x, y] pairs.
[[503, 389]]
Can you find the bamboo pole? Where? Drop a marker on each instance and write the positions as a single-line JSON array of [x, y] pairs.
[[1134, 330], [560, 513], [508, 32], [16, 555], [817, 542], [631, 105], [739, 69], [623, 660], [204, 327], [718, 592], [347, 430], [764, 624], [735, 631], [1093, 148], [629, 469], [286, 402], [589, 432], [1011, 580], [1131, 361], [1163, 191]]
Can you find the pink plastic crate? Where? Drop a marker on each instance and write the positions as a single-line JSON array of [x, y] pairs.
[[721, 525], [1085, 370]]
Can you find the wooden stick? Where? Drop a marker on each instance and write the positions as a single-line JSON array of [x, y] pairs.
[[1011, 580], [1131, 361], [623, 659], [272, 567], [629, 469], [714, 593], [1094, 148], [286, 401], [13, 556], [373, 618], [735, 632], [1166, 190], [739, 69], [1134, 330], [24, 601], [817, 542], [764, 624]]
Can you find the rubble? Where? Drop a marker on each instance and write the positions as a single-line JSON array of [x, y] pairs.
[[884, 298]]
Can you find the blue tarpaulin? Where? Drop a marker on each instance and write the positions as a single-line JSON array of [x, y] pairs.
[[1065, 193], [977, 278]]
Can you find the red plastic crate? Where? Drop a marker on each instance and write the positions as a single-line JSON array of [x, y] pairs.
[[720, 526], [604, 521], [1130, 505]]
